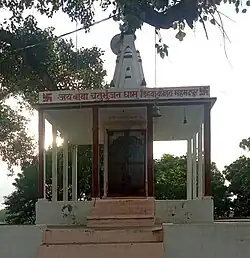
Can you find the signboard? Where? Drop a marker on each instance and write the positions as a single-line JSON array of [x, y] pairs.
[[108, 95]]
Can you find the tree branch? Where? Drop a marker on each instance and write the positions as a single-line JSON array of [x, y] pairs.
[[184, 10]]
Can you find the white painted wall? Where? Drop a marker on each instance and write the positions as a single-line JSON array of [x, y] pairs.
[[54, 213], [212, 240], [184, 211], [20, 241], [175, 211]]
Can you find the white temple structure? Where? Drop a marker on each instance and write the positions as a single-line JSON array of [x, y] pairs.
[[123, 218], [127, 114]]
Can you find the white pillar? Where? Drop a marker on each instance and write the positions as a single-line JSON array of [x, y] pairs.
[[54, 164], [200, 164], [74, 173], [65, 169], [41, 156], [189, 170], [194, 167], [45, 175]]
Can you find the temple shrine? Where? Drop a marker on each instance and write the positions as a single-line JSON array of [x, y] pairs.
[[125, 119], [122, 218]]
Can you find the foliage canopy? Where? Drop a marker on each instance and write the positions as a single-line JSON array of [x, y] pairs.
[[54, 65]]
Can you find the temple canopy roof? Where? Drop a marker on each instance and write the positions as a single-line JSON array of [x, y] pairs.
[[76, 124]]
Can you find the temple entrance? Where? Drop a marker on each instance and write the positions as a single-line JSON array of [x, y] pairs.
[[126, 163]]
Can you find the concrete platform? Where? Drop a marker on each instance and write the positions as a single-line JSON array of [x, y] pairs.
[[122, 250], [166, 211], [90, 236]]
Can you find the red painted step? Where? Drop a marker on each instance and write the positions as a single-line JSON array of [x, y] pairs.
[[120, 221], [131, 206]]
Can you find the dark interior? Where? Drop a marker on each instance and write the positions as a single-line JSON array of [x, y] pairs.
[[126, 163]]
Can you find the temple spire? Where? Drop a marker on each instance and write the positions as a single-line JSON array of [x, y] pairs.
[[128, 71]]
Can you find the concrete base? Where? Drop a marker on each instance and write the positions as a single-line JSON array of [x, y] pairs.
[[168, 211], [184, 211], [145, 250], [62, 213], [92, 236], [217, 240], [20, 241]]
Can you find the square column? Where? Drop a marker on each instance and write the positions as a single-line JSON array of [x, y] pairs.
[[150, 158], [105, 161], [54, 164], [65, 170], [189, 169], [195, 166], [74, 173], [41, 155], [200, 164], [95, 154], [207, 150]]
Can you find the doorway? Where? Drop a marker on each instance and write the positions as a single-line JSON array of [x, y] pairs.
[[126, 163]]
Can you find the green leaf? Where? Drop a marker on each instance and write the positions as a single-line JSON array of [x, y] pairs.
[[213, 21], [204, 18]]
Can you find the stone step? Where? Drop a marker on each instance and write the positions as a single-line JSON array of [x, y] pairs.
[[121, 250], [123, 206], [88, 236], [120, 221]]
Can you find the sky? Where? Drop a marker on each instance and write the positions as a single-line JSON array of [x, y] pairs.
[[195, 61]]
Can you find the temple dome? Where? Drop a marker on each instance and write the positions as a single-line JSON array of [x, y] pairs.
[[128, 71]]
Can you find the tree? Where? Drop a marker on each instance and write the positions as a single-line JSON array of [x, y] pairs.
[[170, 183], [2, 216], [245, 144], [170, 177], [53, 65], [132, 14], [20, 204], [15, 145], [238, 174], [221, 194]]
